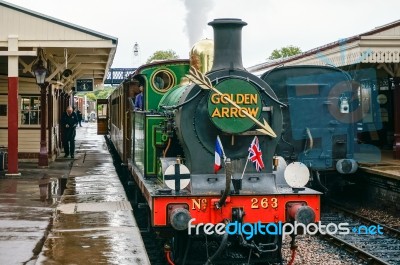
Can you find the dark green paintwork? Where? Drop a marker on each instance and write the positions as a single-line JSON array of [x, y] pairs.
[[144, 135], [151, 152], [152, 96], [171, 98]]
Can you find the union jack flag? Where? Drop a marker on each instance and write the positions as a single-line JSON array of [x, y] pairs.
[[255, 154]]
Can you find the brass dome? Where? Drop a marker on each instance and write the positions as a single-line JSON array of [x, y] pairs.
[[202, 55]]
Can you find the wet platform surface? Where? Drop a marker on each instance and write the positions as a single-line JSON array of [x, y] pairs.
[[24, 220], [90, 223]]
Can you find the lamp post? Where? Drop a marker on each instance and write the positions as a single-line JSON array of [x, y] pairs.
[[136, 53], [136, 49], [41, 72]]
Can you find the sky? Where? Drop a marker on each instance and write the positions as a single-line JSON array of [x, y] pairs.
[[178, 24]]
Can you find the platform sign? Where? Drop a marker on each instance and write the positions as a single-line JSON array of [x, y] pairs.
[[84, 85]]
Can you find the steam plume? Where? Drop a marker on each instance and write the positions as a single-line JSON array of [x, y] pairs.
[[196, 18]]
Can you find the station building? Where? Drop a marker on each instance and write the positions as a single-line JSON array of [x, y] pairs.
[[377, 51], [43, 62]]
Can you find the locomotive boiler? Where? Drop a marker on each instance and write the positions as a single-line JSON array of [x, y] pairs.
[[202, 154]]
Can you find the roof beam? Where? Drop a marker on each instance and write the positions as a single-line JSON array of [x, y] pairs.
[[67, 44]]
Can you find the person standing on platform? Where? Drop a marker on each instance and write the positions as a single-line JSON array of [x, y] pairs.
[[79, 114], [69, 121]]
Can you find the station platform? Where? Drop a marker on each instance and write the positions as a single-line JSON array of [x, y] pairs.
[[387, 167], [82, 216]]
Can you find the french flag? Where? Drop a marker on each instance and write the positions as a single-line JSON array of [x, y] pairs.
[[219, 155]]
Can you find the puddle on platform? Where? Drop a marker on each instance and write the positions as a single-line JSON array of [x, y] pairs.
[[101, 247], [98, 237]]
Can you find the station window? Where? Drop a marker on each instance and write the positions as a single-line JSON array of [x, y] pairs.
[[30, 110]]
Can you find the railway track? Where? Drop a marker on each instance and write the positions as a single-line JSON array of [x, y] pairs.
[[367, 239]]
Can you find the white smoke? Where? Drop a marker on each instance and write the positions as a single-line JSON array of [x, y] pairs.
[[196, 18]]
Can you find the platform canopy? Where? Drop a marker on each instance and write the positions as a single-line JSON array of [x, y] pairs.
[[377, 46], [87, 53]]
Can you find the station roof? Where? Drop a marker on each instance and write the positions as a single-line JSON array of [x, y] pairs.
[[379, 45], [87, 53]]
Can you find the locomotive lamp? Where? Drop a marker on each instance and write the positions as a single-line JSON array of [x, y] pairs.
[[344, 105], [297, 176]]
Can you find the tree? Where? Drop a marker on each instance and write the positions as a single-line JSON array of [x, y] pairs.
[[98, 93], [284, 52], [163, 55], [104, 93], [91, 96]]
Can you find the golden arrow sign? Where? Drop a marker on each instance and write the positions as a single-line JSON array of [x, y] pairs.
[[204, 82]]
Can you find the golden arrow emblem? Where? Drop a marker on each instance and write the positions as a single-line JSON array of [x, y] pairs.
[[204, 82]]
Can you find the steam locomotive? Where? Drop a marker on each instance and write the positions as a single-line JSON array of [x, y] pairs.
[[202, 150]]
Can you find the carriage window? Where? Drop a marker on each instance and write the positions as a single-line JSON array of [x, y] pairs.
[[30, 110], [115, 112], [163, 80]]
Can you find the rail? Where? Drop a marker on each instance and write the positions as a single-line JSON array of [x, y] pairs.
[[379, 249]]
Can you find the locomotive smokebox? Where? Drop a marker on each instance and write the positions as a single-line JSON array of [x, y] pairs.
[[227, 43]]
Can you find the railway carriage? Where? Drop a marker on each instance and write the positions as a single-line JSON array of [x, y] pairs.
[[202, 154]]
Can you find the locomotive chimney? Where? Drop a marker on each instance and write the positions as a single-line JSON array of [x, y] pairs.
[[227, 43]]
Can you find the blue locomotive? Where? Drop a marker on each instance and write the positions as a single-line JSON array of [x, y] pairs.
[[325, 110]]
